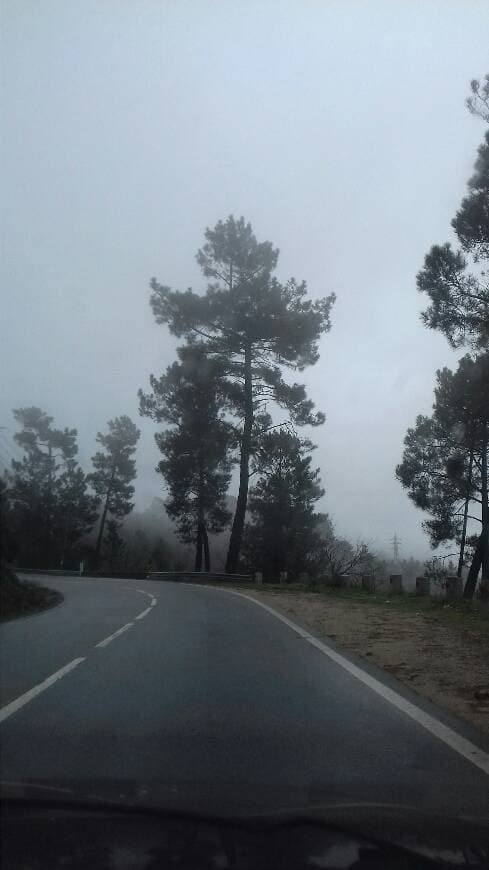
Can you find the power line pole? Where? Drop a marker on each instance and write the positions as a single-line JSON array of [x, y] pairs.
[[396, 544]]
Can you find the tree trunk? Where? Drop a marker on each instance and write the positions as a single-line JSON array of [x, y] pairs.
[[201, 532], [481, 555], [49, 510], [244, 473], [473, 574], [98, 545], [198, 549], [485, 509], [207, 555], [466, 511]]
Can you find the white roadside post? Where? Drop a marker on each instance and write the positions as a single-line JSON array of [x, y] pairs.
[[423, 586], [395, 583], [454, 588]]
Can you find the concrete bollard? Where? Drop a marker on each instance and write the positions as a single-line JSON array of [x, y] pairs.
[[82, 567], [454, 588], [395, 583], [423, 585], [258, 578], [368, 583]]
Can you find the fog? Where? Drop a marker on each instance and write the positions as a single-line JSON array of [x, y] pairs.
[[337, 128]]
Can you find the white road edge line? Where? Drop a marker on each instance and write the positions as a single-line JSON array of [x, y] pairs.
[[144, 613], [455, 741], [19, 702], [112, 637]]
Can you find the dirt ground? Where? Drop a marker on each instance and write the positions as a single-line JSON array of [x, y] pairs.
[[440, 656]]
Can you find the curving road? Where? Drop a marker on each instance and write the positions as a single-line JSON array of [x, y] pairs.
[[198, 697]]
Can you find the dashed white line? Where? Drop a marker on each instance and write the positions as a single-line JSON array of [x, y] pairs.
[[144, 613], [112, 637], [19, 702], [142, 591]]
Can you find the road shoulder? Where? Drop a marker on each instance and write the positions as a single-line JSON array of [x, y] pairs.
[[436, 657]]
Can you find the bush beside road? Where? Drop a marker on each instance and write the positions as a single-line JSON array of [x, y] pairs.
[[21, 598]]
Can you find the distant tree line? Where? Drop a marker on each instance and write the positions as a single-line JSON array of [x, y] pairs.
[[51, 507], [445, 462]]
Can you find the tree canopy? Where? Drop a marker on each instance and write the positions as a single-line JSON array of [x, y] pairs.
[[456, 281]]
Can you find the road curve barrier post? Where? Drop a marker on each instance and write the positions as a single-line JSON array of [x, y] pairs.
[[82, 568], [454, 588], [283, 576], [258, 577], [368, 583], [423, 586], [395, 583]]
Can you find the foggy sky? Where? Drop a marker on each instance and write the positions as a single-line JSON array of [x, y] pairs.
[[337, 128]]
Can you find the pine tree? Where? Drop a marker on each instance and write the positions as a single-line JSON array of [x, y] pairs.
[[114, 545], [191, 398], [114, 471], [444, 466], [456, 280], [76, 509], [283, 533], [50, 506], [255, 326]]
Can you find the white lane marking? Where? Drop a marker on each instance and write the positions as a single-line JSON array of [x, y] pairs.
[[452, 739], [112, 637], [153, 599], [144, 613], [19, 702]]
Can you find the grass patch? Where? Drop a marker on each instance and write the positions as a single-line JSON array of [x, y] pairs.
[[20, 598], [466, 615]]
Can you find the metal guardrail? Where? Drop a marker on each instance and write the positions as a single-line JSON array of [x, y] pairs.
[[55, 572], [196, 576]]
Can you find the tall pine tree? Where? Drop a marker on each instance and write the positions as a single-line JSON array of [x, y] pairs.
[[255, 326], [444, 467], [191, 397], [456, 281], [114, 470], [284, 532], [51, 508]]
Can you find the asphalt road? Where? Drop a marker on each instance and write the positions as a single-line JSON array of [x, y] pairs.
[[206, 701]]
